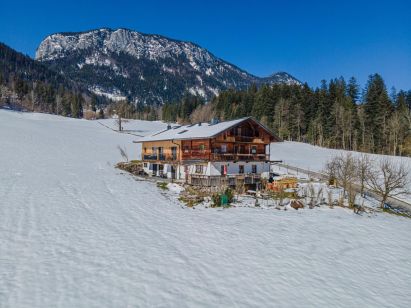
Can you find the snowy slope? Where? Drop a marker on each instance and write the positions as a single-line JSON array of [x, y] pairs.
[[137, 127], [314, 158], [75, 232]]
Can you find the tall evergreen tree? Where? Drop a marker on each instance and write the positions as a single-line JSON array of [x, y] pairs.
[[353, 89], [377, 109]]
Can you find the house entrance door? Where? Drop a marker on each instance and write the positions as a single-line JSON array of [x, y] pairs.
[[173, 172]]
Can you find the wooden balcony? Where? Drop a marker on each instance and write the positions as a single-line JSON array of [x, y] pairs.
[[208, 155], [159, 157], [242, 139], [196, 154], [239, 157]]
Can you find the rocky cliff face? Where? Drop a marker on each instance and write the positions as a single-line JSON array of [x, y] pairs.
[[142, 68]]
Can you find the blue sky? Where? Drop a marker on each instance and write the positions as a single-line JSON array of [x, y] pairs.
[[311, 40]]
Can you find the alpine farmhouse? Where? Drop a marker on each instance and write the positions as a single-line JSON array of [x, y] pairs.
[[228, 153]]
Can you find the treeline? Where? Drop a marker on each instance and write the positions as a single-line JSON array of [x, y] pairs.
[[332, 115], [41, 97], [182, 110], [338, 114], [179, 111]]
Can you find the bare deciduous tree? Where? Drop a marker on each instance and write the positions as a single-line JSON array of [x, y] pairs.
[[118, 122], [389, 179], [123, 153], [363, 165], [342, 168], [203, 113]]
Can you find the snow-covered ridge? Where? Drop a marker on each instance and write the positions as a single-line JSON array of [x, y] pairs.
[[139, 45], [126, 41], [144, 67]]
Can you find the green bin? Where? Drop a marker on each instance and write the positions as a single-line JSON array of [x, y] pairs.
[[224, 200]]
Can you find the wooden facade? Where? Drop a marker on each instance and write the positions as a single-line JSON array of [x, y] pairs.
[[247, 141]]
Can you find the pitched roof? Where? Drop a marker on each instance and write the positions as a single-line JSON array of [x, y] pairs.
[[196, 131]]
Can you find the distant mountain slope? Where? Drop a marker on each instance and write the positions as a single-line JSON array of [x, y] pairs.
[[143, 68]]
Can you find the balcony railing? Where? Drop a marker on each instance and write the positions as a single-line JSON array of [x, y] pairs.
[[150, 157], [247, 139], [161, 157], [196, 153], [207, 155], [240, 157]]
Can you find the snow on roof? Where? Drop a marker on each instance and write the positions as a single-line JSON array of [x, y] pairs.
[[192, 131]]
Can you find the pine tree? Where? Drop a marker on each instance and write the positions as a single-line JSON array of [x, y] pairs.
[[353, 90], [77, 106], [377, 109], [93, 103], [408, 99]]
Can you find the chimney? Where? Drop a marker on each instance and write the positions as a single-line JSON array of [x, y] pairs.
[[168, 126]]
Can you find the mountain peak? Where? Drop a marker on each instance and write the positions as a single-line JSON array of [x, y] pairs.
[[144, 68], [282, 77]]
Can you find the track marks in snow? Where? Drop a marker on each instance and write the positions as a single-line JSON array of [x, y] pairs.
[[75, 232]]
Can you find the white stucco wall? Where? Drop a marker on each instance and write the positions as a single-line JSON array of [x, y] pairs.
[[210, 168], [233, 168]]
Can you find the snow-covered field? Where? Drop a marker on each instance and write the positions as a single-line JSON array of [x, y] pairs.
[[314, 158], [75, 232]]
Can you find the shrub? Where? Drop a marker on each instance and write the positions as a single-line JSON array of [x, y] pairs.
[[216, 199], [230, 194], [162, 185], [89, 115]]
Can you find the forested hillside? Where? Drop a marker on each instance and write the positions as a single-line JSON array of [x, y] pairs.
[[335, 115], [29, 85]]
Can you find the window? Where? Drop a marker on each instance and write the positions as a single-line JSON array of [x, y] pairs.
[[241, 169], [199, 168], [202, 147], [174, 152], [145, 165], [223, 148], [186, 149], [253, 168], [253, 149]]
